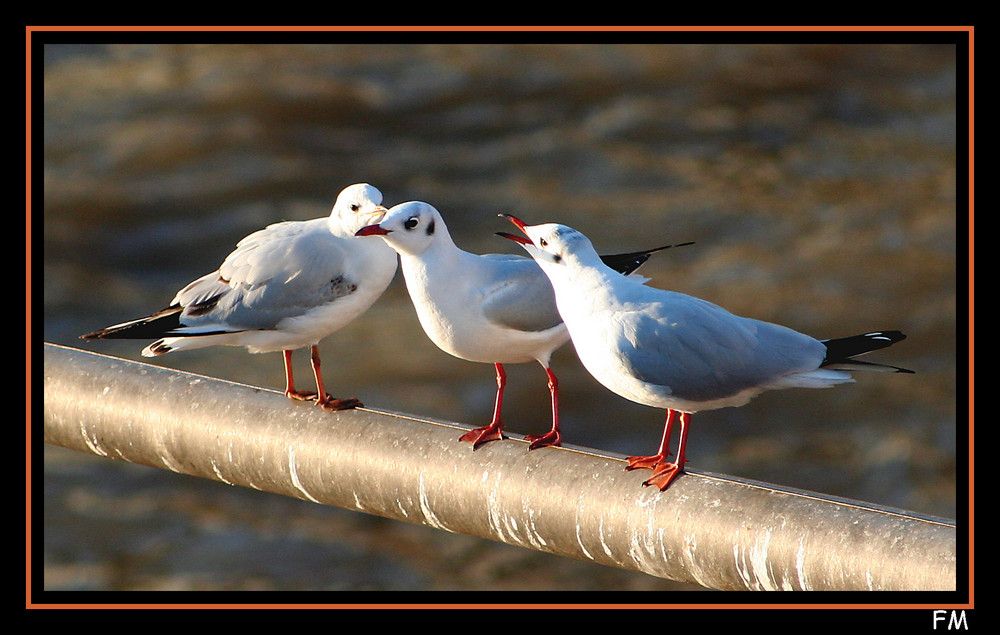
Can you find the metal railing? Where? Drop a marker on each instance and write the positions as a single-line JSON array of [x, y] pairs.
[[716, 531]]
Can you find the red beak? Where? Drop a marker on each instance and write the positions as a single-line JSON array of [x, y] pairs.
[[517, 221], [372, 230], [520, 225], [517, 239]]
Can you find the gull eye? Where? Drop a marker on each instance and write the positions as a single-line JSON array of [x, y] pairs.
[[410, 223], [543, 242], [355, 207]]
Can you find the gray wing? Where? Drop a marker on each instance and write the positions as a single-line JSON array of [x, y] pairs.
[[702, 352], [278, 272], [522, 298]]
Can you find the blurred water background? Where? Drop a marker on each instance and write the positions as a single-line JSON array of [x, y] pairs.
[[818, 181]]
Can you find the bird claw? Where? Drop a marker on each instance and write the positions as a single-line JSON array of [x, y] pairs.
[[664, 472], [663, 475], [479, 436], [550, 438], [301, 395], [331, 403], [328, 403], [644, 462]]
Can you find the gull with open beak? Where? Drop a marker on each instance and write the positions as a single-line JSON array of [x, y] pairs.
[[674, 351], [495, 308]]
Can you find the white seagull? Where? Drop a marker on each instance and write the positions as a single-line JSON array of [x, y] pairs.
[[284, 287], [495, 308], [669, 350]]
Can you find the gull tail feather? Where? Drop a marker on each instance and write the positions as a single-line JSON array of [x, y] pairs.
[[152, 326], [840, 352], [162, 324]]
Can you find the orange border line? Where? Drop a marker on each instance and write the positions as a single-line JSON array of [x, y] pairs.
[[508, 28]]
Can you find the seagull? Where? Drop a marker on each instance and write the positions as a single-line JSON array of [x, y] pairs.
[[674, 351], [495, 308], [284, 287]]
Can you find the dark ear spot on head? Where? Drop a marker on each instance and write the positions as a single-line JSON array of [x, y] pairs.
[[430, 227]]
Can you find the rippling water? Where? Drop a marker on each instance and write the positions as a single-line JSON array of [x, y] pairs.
[[818, 181]]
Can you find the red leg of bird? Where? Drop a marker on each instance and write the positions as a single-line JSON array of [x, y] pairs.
[[290, 391], [325, 400], [494, 431], [649, 462], [665, 472], [552, 437]]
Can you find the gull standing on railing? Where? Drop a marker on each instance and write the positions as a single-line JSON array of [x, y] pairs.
[[675, 351], [495, 308], [284, 287]]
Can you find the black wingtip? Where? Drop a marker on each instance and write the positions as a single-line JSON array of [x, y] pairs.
[[629, 262], [150, 327], [843, 350]]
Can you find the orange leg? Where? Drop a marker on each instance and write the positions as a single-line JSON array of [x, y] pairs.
[[552, 437], [290, 391], [494, 431], [321, 397], [664, 471]]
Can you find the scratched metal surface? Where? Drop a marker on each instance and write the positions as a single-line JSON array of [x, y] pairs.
[[706, 529]]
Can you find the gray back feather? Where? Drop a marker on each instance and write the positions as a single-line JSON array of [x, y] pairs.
[[693, 340], [265, 281], [524, 299]]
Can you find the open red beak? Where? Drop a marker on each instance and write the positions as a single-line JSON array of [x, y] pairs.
[[517, 221], [520, 225], [515, 238], [372, 230]]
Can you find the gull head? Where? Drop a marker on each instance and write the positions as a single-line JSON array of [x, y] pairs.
[[551, 244], [409, 228], [357, 206]]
